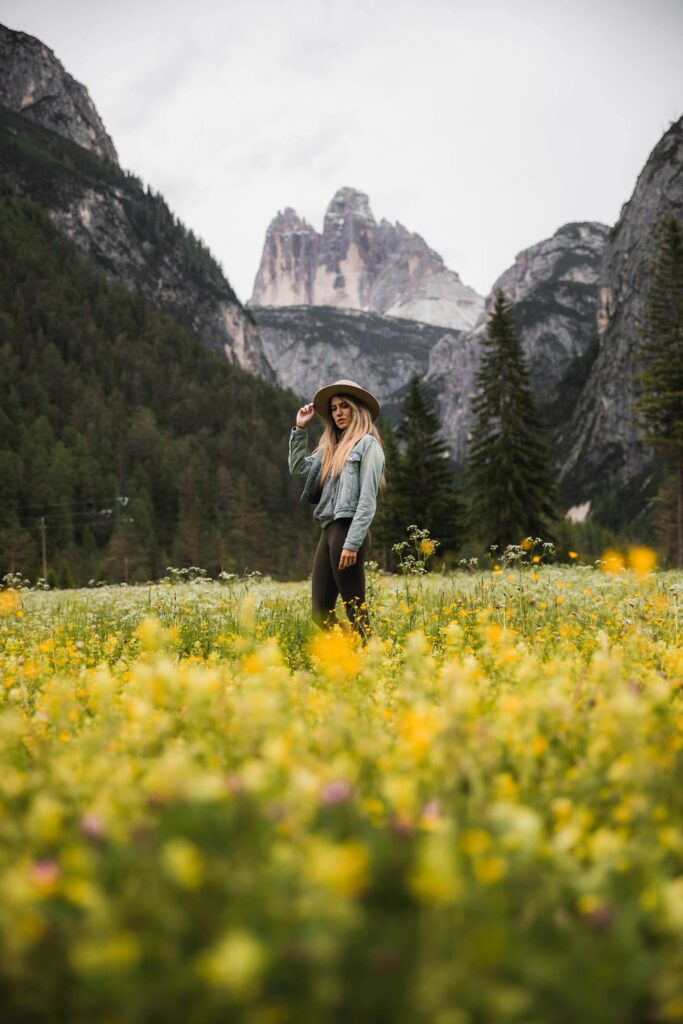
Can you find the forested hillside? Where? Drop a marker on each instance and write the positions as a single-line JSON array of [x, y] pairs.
[[132, 443], [128, 232]]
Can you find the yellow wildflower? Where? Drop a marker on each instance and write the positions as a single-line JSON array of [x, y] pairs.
[[435, 879], [335, 654], [489, 869], [9, 601], [235, 963], [613, 561], [642, 560], [341, 867], [418, 726], [183, 863]]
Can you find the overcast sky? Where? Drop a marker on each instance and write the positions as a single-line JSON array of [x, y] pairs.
[[484, 125]]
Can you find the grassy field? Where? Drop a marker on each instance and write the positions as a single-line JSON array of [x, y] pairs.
[[210, 811]]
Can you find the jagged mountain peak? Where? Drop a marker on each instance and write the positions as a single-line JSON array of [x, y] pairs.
[[350, 202], [289, 220], [356, 263], [35, 84], [572, 253]]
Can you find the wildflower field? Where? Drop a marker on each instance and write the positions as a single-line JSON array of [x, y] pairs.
[[210, 811]]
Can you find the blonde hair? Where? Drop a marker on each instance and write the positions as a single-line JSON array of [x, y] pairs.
[[335, 445]]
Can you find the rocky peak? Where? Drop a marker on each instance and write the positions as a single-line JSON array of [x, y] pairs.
[[357, 263], [350, 252], [551, 287], [571, 255], [35, 84], [349, 203], [290, 254], [288, 220], [606, 443]]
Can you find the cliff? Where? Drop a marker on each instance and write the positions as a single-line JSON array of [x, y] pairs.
[[34, 84], [603, 435], [356, 263], [55, 151]]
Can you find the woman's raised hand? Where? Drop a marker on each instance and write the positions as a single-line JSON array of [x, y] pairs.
[[305, 415]]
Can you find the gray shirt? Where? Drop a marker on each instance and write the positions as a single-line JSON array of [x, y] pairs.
[[324, 510]]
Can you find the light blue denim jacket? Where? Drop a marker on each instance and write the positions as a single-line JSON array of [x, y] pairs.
[[358, 482]]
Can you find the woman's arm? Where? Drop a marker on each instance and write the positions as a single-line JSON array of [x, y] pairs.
[[371, 465], [299, 462]]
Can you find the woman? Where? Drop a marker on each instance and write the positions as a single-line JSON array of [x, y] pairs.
[[343, 475]]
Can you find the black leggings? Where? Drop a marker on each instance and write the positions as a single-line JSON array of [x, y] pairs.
[[328, 580]]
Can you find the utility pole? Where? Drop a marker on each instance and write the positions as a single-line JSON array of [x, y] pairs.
[[43, 529]]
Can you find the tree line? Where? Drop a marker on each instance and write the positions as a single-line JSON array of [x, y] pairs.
[[507, 490], [111, 469], [126, 445]]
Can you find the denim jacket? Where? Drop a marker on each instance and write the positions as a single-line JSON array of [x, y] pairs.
[[358, 482]]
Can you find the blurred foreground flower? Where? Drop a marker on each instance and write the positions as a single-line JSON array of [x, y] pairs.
[[236, 963], [9, 602], [335, 655], [151, 634], [642, 560], [613, 561], [341, 867]]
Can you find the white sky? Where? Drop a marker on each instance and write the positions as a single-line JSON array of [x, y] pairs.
[[484, 125]]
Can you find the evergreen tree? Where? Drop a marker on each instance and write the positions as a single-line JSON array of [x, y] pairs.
[[424, 488], [86, 416], [387, 527], [660, 398], [510, 487]]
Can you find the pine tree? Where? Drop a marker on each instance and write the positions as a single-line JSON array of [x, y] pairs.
[[86, 415], [424, 490], [510, 487], [387, 526], [660, 398]]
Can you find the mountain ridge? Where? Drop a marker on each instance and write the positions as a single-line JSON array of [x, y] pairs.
[[359, 263], [35, 84]]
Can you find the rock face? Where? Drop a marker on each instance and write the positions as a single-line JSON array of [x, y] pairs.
[[357, 263], [309, 346], [603, 433], [34, 84], [130, 234], [552, 289]]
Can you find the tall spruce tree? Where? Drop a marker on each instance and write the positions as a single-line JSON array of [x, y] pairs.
[[660, 398], [387, 527], [424, 489], [510, 487]]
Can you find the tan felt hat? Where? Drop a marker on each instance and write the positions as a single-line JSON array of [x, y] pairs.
[[321, 399]]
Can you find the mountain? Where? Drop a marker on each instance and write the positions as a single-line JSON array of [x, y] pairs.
[[359, 264], [130, 441], [604, 445], [552, 289], [34, 84], [309, 345], [126, 231]]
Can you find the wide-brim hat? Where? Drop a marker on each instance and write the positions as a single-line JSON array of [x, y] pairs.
[[321, 399]]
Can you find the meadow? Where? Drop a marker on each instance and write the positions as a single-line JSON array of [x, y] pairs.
[[212, 811]]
